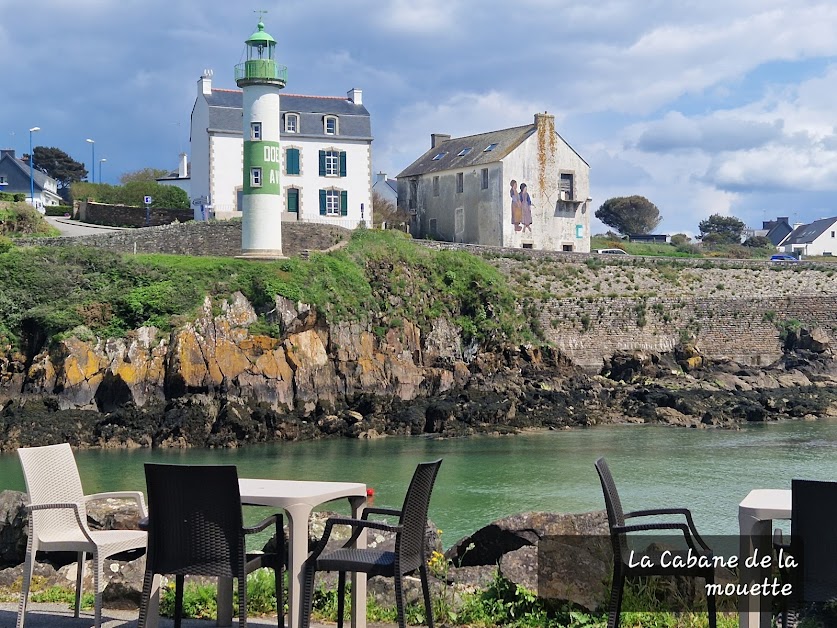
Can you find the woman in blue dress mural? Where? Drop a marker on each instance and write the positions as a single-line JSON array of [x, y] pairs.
[[526, 207]]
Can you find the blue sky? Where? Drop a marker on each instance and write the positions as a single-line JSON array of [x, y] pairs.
[[703, 107]]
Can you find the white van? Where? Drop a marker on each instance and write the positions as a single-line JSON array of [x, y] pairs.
[[609, 251]]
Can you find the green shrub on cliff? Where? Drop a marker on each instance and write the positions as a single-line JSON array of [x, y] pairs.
[[380, 278]]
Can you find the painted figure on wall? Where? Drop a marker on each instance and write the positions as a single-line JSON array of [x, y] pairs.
[[525, 209], [516, 211]]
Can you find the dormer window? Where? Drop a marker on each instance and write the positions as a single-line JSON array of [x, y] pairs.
[[490, 147], [291, 123], [438, 157], [330, 126], [255, 131], [464, 152]]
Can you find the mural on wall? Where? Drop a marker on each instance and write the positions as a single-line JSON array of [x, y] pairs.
[[521, 207]]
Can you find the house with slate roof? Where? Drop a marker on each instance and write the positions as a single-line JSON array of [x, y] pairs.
[[326, 151], [774, 230], [387, 188], [14, 179], [523, 187], [816, 238]]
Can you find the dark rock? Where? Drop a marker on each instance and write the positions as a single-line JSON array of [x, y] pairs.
[[13, 523]]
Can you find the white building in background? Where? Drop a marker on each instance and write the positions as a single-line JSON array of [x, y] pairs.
[[326, 156], [523, 187], [179, 178]]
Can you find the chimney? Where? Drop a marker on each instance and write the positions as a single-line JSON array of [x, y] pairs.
[[381, 176], [355, 95], [438, 138], [205, 83], [7, 151], [183, 169], [545, 118]]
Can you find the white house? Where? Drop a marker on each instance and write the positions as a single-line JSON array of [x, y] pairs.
[[817, 238], [386, 188], [523, 187], [326, 156], [14, 179], [179, 178]]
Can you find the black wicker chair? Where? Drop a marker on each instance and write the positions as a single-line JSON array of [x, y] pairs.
[[618, 536], [408, 556], [195, 528], [813, 546]]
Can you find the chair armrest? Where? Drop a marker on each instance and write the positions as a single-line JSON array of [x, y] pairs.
[[394, 512], [74, 506], [672, 511], [357, 525], [136, 496], [642, 527], [265, 523]]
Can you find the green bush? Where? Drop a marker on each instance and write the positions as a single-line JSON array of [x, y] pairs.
[[58, 210]]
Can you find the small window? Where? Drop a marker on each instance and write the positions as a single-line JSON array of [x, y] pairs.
[[256, 177], [293, 200], [579, 231], [490, 147], [832, 234], [255, 130], [433, 227], [332, 202], [331, 127], [464, 152], [567, 248], [291, 123], [485, 178], [435, 186], [565, 186], [460, 182], [3, 180], [438, 156], [527, 245]]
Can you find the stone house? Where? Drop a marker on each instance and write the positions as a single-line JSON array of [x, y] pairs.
[[325, 156], [523, 187], [814, 239], [14, 179]]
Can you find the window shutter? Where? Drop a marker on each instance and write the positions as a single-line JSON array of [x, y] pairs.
[[344, 201], [342, 163], [322, 163], [322, 199], [292, 156], [293, 200]]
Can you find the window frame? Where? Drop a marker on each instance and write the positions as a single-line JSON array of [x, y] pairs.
[[460, 182], [436, 186], [256, 177], [484, 178], [333, 197], [336, 123], [332, 158], [288, 118], [255, 131]]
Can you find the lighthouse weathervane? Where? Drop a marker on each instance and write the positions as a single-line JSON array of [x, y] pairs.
[[260, 79]]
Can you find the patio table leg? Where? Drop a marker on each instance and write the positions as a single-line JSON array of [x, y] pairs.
[[359, 579], [753, 611]]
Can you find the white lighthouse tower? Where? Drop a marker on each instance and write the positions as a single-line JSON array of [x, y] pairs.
[[260, 78]]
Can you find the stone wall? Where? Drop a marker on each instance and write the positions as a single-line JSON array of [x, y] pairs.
[[124, 216], [221, 238]]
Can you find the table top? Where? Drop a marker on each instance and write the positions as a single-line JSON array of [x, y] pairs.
[[767, 503], [284, 493]]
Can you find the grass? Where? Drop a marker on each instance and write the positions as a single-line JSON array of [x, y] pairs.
[[732, 251], [381, 278]]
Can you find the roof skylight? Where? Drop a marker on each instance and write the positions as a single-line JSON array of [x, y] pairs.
[[490, 147], [464, 152], [438, 156]]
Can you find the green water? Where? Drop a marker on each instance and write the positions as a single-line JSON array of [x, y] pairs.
[[484, 478]]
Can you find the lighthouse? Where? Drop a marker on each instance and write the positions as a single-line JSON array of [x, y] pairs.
[[260, 79]]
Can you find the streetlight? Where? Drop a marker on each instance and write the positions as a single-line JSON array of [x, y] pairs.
[[100, 168], [92, 160], [34, 129]]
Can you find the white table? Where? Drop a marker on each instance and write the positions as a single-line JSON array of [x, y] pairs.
[[755, 521], [298, 499]]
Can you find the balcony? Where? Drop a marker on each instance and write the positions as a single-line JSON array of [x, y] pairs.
[[262, 71]]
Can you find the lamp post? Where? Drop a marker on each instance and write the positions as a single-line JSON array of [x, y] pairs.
[[34, 129], [103, 159], [92, 159]]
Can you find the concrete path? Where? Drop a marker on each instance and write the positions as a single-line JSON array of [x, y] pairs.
[[69, 227]]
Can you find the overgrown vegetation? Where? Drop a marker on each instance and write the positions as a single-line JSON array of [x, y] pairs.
[[380, 277], [21, 219]]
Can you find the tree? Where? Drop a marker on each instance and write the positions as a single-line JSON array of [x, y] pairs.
[[385, 211], [718, 229], [629, 214], [145, 174], [58, 165]]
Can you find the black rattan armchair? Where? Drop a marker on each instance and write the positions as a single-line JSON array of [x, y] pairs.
[[195, 528], [623, 568], [813, 546], [408, 555]]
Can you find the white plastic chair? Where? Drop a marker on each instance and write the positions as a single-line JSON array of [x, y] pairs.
[[58, 520]]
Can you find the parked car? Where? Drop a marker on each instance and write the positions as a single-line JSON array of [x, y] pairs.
[[609, 251], [783, 258]]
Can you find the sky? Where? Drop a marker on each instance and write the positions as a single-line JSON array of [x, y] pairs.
[[711, 107]]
